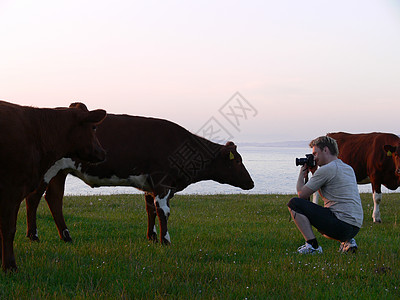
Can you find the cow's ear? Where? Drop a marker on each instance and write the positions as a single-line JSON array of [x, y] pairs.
[[389, 149], [95, 116], [230, 144], [78, 105], [228, 150]]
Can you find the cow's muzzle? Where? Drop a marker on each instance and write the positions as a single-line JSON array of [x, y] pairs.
[[248, 186]]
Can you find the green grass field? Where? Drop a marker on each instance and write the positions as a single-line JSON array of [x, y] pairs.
[[223, 247]]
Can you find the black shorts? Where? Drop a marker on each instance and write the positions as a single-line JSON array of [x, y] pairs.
[[323, 219]]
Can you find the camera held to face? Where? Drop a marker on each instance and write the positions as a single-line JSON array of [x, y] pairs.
[[309, 160]]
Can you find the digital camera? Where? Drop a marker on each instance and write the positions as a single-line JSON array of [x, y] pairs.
[[309, 160]]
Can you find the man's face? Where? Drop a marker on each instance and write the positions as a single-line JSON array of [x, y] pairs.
[[320, 156]]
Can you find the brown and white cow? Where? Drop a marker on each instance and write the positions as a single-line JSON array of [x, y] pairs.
[[375, 158], [32, 140], [156, 156]]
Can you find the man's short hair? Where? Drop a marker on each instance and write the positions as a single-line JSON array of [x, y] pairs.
[[326, 141]]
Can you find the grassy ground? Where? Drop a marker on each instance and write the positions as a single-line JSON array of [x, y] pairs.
[[223, 247]]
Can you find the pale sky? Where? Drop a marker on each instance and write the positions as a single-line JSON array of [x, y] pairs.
[[305, 67]]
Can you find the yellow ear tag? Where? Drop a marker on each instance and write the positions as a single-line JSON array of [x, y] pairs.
[[389, 153], [231, 156]]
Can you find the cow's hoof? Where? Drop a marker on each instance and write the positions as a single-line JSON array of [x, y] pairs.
[[10, 268], [165, 242], [33, 237], [377, 221], [152, 238], [66, 237]]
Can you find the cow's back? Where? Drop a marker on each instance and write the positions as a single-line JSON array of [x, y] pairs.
[[142, 147], [365, 152]]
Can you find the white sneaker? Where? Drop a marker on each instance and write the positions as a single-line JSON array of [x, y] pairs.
[[308, 249], [349, 246]]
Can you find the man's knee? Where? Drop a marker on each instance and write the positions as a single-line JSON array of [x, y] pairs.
[[293, 203]]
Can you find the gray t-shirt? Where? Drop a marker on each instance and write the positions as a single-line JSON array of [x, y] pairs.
[[337, 184]]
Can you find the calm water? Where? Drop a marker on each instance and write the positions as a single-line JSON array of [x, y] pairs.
[[273, 170]]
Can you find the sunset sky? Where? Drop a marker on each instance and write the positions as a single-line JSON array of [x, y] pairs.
[[301, 68]]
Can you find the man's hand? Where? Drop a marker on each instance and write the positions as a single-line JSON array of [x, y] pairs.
[[304, 170], [313, 169]]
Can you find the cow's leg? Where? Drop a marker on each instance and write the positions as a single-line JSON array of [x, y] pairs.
[[162, 205], [8, 223], [54, 197], [377, 197], [151, 217], [315, 197], [32, 203]]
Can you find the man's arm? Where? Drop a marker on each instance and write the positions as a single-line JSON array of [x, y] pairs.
[[303, 191]]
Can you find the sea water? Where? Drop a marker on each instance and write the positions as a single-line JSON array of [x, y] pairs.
[[273, 171]]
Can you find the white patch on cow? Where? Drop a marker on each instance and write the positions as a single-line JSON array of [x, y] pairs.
[[162, 203], [61, 164], [154, 229], [138, 181], [376, 215], [167, 237]]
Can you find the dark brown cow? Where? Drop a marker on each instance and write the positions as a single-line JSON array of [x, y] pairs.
[[32, 140], [375, 158], [156, 156]]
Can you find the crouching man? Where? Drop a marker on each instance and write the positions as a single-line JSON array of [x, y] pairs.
[[342, 215]]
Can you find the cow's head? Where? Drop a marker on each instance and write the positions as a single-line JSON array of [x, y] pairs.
[[82, 137], [394, 153], [230, 169]]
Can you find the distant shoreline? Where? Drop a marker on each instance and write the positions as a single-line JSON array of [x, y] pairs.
[[290, 144]]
